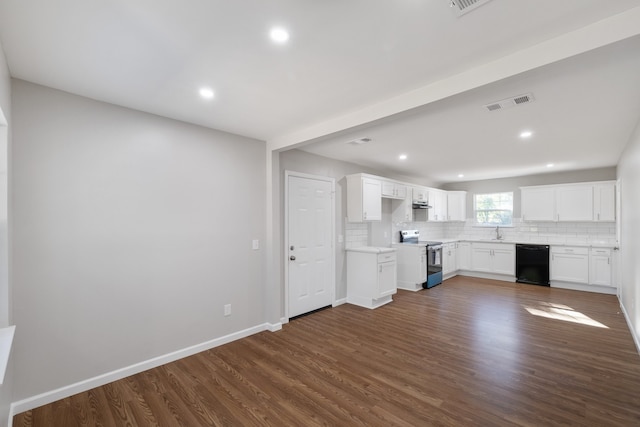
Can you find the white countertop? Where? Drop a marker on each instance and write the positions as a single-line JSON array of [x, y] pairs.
[[371, 249], [526, 242]]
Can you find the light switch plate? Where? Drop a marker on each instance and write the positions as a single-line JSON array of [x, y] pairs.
[[256, 244]]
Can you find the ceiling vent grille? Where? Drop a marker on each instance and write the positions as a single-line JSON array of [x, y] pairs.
[[358, 141], [510, 102], [464, 6]]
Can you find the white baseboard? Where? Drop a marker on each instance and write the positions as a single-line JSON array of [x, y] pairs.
[[585, 288], [273, 327], [339, 302], [100, 380], [634, 335]]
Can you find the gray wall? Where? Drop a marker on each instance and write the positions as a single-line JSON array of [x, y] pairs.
[[130, 233], [629, 178], [514, 184], [6, 389]]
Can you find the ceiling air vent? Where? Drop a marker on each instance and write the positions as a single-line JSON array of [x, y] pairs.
[[464, 6], [510, 102], [358, 141]]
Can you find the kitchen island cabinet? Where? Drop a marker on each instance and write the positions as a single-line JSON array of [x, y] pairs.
[[371, 276]]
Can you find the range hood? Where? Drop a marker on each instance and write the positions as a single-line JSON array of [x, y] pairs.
[[420, 204]]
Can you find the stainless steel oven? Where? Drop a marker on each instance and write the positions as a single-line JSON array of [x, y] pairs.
[[434, 264]]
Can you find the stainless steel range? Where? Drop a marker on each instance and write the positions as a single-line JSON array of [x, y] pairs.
[[434, 256]]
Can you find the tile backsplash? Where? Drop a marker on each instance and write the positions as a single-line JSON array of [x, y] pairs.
[[579, 233]]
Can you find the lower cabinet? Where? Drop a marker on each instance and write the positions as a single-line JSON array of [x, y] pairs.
[[569, 264], [412, 266], [494, 258], [600, 271], [463, 255], [449, 259], [371, 276]]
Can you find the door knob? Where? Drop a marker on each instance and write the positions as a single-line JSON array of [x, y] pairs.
[[292, 258]]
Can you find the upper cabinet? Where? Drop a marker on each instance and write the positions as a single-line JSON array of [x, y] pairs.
[[594, 201], [394, 190], [364, 198], [456, 205], [604, 202], [438, 202], [538, 203], [574, 203], [420, 194]]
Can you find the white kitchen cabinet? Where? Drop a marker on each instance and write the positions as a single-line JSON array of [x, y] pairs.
[[569, 264], [494, 258], [364, 198], [463, 255], [371, 276], [600, 263], [574, 203], [538, 203], [421, 194], [604, 202], [412, 266], [456, 205], [394, 190], [449, 259], [438, 202], [590, 201], [402, 210]]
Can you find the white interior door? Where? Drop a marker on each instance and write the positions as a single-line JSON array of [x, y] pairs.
[[309, 251]]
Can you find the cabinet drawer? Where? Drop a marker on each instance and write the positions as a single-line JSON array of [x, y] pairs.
[[386, 257], [569, 250], [601, 251]]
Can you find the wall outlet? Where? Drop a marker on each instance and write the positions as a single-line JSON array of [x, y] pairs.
[[255, 244], [227, 309]]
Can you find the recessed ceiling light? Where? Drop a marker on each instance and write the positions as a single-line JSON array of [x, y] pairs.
[[549, 165], [279, 35], [206, 93], [460, 175], [526, 134], [402, 157]]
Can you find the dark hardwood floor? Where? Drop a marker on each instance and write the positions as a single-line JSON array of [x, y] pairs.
[[470, 352]]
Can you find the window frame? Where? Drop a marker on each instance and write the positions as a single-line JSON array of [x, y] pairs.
[[476, 223]]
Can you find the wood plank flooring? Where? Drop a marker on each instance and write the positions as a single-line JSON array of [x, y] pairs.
[[470, 352]]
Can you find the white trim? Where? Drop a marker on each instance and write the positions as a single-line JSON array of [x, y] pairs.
[[634, 335], [584, 287], [100, 380], [339, 302], [274, 327], [6, 340], [285, 256]]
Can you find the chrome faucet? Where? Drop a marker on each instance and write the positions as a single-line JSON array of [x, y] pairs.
[[498, 235]]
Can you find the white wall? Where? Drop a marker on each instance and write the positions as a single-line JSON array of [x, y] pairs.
[[131, 232], [629, 178], [6, 389]]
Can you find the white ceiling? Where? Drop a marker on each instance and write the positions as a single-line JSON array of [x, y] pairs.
[[344, 56]]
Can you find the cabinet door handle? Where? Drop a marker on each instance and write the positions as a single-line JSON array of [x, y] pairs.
[[608, 261], [598, 217], [380, 269]]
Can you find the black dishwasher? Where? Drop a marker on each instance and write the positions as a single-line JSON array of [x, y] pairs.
[[532, 264]]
